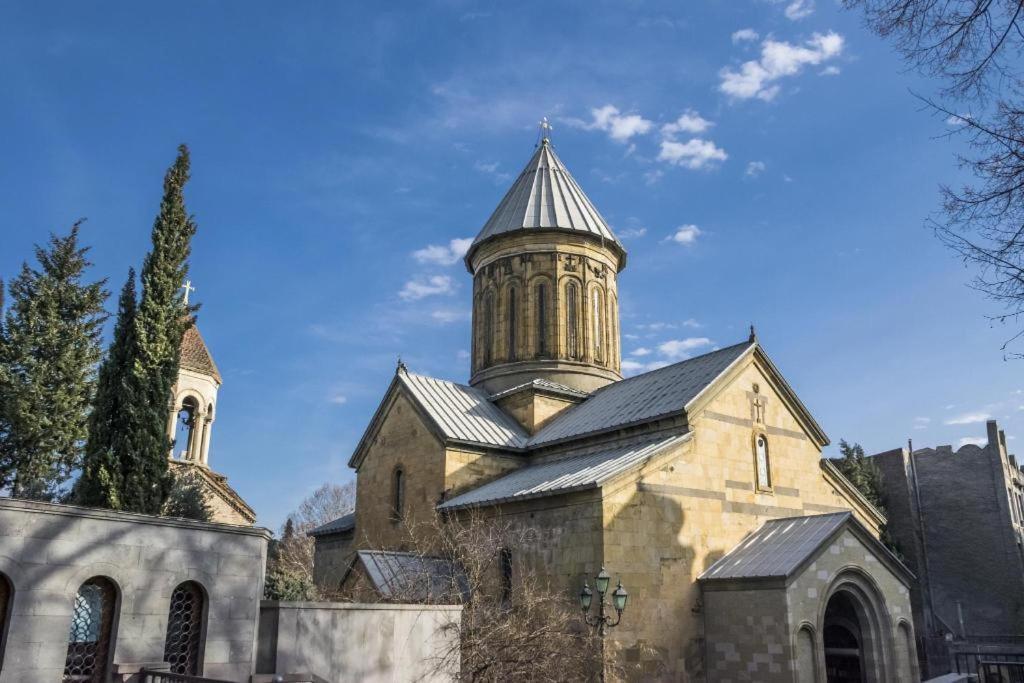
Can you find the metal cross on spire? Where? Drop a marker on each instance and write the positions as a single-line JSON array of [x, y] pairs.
[[188, 290], [545, 130]]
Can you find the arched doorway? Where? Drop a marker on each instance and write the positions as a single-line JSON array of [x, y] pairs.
[[843, 638]]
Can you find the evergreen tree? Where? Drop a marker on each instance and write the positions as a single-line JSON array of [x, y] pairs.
[[187, 498], [160, 323], [861, 472], [111, 440], [49, 347]]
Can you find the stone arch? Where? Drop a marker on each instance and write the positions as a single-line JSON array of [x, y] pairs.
[[186, 628], [906, 652], [571, 318], [488, 326], [6, 608], [541, 325], [511, 327], [92, 632], [855, 628], [805, 662]]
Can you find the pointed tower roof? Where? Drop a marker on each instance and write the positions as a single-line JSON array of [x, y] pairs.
[[195, 356], [546, 197]]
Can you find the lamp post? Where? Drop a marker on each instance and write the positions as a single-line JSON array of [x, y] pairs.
[[602, 621]]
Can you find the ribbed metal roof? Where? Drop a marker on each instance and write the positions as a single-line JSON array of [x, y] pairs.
[[346, 522], [545, 196], [541, 385], [463, 413], [414, 578], [641, 398], [778, 548], [569, 473]]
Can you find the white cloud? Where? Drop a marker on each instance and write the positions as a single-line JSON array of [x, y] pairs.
[[690, 322], [631, 233], [799, 9], [694, 154], [681, 348], [745, 34], [921, 422], [441, 255], [620, 127], [957, 120], [449, 315], [654, 176], [631, 337], [973, 440], [688, 122], [830, 71], [462, 354], [492, 169], [755, 168], [642, 351], [969, 418], [779, 59], [684, 234], [338, 399], [414, 290]]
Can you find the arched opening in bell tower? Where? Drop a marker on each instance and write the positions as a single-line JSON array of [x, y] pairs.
[[185, 434]]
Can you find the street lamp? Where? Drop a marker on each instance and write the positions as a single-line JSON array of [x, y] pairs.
[[603, 621]]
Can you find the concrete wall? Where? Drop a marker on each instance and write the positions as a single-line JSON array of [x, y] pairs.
[[353, 642], [47, 551]]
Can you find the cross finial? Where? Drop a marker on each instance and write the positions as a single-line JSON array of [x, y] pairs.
[[545, 130], [753, 335], [401, 366], [188, 290]]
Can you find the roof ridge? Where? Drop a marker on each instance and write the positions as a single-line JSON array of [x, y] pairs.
[[624, 380]]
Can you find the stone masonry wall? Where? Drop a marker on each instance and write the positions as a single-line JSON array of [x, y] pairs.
[[47, 551]]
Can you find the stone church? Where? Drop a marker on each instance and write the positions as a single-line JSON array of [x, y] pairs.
[[701, 485]]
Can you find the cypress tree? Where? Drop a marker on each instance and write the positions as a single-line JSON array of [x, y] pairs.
[[49, 347], [110, 425], [160, 323]]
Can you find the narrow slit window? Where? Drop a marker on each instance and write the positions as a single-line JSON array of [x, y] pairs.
[[572, 320], [542, 319], [512, 324], [598, 320], [398, 500], [488, 328], [764, 469]]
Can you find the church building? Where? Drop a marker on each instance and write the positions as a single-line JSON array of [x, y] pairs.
[[747, 556]]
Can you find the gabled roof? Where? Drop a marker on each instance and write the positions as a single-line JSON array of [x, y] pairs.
[[570, 473], [546, 197], [411, 578], [641, 398], [346, 522], [195, 356], [782, 547], [463, 413], [458, 412]]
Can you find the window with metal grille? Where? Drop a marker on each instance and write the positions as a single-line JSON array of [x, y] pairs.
[[91, 632], [6, 595], [185, 629]]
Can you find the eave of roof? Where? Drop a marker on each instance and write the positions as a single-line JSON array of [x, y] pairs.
[[346, 522]]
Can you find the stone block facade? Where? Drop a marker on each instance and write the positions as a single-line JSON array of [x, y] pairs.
[[48, 551]]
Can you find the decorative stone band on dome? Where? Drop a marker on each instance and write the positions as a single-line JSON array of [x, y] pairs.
[[545, 196]]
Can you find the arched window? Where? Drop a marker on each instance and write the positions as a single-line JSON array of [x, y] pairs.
[[513, 324], [185, 629], [185, 434], [598, 323], [541, 343], [762, 462], [398, 495], [6, 600], [91, 634], [572, 316], [488, 328]]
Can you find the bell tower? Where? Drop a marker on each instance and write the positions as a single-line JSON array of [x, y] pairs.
[[545, 292]]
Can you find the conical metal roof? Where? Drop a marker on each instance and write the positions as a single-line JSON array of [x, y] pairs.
[[546, 197]]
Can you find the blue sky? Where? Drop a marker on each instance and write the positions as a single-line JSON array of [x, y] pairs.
[[763, 161]]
